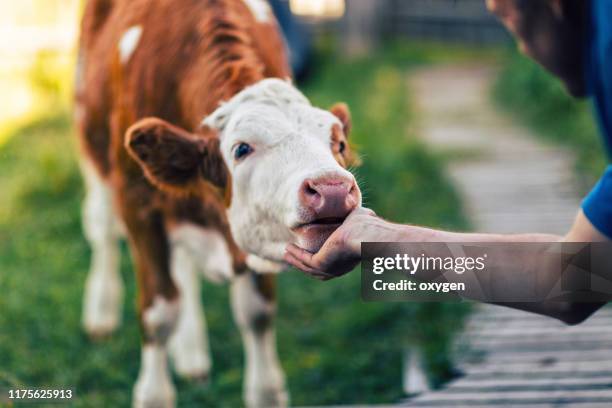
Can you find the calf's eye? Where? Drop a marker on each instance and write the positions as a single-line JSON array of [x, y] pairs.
[[342, 147], [242, 150]]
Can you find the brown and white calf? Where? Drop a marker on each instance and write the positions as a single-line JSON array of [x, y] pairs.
[[197, 148]]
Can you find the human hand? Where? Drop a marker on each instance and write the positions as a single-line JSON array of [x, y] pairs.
[[341, 253]]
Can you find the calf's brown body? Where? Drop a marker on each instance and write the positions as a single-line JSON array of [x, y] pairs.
[[189, 56], [192, 55]]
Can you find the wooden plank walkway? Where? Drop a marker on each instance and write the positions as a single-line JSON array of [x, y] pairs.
[[510, 183], [513, 359]]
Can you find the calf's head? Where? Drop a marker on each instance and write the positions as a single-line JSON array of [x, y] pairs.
[[281, 162]]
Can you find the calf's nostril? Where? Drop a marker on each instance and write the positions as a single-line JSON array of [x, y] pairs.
[[310, 190]]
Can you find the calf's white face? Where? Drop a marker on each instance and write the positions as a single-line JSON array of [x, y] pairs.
[[279, 150], [282, 159]]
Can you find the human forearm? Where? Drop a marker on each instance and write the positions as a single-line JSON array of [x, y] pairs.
[[511, 274], [531, 273], [409, 234]]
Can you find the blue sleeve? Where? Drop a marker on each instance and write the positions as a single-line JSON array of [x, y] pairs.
[[598, 67], [598, 205]]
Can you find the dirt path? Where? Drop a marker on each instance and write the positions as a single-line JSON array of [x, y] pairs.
[[510, 182]]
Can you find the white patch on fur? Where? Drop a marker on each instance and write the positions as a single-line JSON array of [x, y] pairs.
[[160, 318], [128, 43], [264, 381], [263, 266], [154, 387], [188, 345], [103, 297], [208, 249], [292, 142], [99, 219], [260, 10]]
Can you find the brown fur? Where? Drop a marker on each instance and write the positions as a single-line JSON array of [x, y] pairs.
[[192, 55], [342, 149], [173, 159]]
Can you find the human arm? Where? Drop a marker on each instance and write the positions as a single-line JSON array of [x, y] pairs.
[[342, 252]]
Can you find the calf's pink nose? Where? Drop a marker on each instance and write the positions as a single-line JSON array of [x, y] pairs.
[[329, 197]]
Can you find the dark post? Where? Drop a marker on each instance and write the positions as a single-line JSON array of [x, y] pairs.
[[360, 31]]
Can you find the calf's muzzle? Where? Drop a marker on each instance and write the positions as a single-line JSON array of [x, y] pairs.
[[329, 198]]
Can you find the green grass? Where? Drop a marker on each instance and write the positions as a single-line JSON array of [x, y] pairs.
[[334, 347], [539, 100]]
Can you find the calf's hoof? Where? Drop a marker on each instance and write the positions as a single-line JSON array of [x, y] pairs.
[[101, 326], [194, 367], [153, 402], [152, 396], [154, 388], [267, 398], [101, 307], [189, 357]]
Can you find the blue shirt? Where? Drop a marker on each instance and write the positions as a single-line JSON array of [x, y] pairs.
[[598, 205]]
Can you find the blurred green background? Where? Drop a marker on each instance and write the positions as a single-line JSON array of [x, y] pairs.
[[334, 348]]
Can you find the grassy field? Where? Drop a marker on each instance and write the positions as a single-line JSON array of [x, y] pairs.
[[539, 100], [334, 347]]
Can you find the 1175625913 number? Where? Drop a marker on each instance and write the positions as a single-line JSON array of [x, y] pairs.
[[39, 394]]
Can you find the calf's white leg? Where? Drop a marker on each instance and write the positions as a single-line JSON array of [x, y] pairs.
[[254, 309], [188, 346], [154, 388], [103, 296]]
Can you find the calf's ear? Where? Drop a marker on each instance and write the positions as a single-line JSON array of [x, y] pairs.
[[342, 112], [174, 159]]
